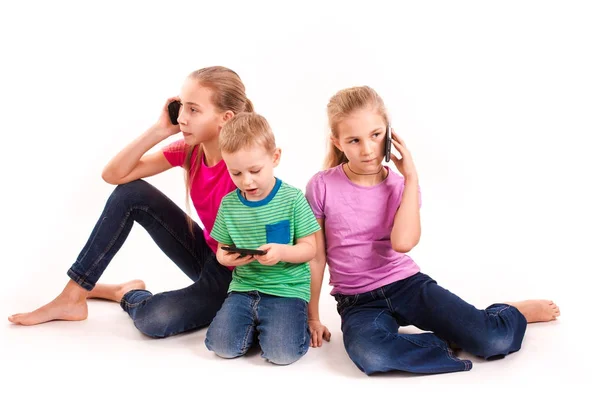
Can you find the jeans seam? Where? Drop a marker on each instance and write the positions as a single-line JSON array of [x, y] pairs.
[[499, 311], [110, 245], [145, 209], [389, 303], [306, 329], [91, 241], [378, 327], [250, 328], [128, 304]]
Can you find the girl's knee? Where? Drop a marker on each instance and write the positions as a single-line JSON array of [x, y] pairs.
[[369, 359], [157, 321], [153, 328], [495, 348], [127, 190]]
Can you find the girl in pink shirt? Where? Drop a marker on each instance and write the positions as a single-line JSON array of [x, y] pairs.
[[370, 218], [209, 97]]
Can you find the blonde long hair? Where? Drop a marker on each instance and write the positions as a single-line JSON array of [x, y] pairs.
[[228, 93], [340, 106]]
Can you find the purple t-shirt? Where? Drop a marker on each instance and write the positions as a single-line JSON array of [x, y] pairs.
[[358, 222]]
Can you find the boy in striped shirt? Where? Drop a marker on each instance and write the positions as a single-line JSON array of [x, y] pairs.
[[269, 294]]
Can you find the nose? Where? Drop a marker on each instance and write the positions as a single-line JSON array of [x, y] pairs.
[[247, 180], [181, 119], [367, 148]]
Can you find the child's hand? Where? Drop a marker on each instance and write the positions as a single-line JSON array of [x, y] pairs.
[[273, 256], [318, 332], [405, 164], [234, 260]]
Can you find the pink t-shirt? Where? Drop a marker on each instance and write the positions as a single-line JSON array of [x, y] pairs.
[[209, 186], [358, 223]]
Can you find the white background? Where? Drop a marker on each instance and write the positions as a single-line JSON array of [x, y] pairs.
[[498, 102]]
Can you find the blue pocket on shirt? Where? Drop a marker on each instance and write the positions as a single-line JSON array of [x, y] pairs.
[[278, 232]]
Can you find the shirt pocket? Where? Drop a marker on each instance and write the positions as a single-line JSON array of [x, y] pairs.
[[278, 232]]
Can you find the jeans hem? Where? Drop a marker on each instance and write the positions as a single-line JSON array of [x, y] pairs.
[[80, 280]]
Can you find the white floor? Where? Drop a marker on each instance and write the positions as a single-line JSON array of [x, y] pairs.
[[105, 353]]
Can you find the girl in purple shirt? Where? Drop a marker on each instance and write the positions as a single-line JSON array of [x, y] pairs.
[[370, 218]]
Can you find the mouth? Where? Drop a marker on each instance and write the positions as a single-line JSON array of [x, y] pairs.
[[186, 133], [370, 160], [251, 191]]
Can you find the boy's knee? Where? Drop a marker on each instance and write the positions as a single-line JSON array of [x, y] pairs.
[[286, 348], [283, 356], [222, 347]]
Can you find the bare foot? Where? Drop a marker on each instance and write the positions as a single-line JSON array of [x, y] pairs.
[[115, 292], [70, 305], [537, 310]]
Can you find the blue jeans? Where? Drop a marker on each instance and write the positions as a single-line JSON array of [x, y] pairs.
[[167, 313], [370, 323], [278, 324]]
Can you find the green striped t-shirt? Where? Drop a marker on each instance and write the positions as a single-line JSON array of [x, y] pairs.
[[282, 217]]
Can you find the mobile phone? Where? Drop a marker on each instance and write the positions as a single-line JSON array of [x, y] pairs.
[[387, 152], [244, 252], [173, 108]]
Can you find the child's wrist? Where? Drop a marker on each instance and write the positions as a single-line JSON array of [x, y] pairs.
[[411, 180]]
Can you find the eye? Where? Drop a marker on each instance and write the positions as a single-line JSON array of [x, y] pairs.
[[193, 110], [236, 173], [376, 134], [353, 141], [255, 172]]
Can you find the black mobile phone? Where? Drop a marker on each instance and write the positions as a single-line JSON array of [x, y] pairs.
[[388, 143], [173, 108], [244, 252]]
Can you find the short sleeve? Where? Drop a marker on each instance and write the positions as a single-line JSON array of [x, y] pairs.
[[219, 231], [305, 222], [315, 195], [175, 153]]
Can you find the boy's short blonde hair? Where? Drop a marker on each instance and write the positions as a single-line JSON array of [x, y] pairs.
[[244, 130]]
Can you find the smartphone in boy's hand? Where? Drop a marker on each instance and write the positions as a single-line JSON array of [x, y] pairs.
[[244, 252]]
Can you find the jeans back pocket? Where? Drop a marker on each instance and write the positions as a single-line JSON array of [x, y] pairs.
[[279, 232]]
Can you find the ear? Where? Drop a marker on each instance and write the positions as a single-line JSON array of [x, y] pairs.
[[226, 116], [276, 157], [336, 142]]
